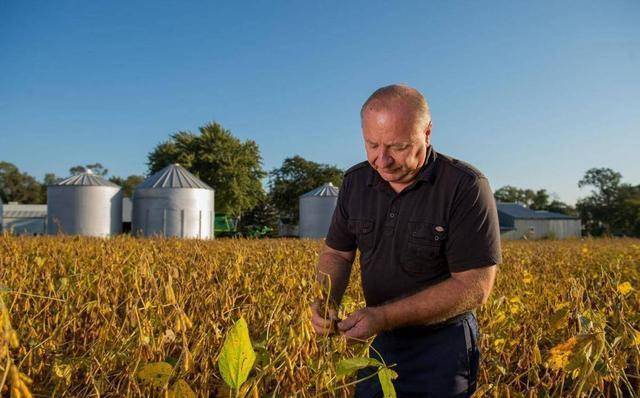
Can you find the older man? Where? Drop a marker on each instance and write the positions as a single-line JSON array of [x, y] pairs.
[[427, 229]]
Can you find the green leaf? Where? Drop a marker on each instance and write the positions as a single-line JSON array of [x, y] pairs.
[[156, 373], [237, 357], [386, 376], [347, 367], [180, 389]]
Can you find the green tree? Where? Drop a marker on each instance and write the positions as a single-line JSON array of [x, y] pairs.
[[260, 221], [539, 200], [613, 208], [628, 211], [605, 182], [18, 187], [96, 168], [557, 206], [535, 200], [128, 184], [49, 179], [232, 167], [295, 177], [511, 194]]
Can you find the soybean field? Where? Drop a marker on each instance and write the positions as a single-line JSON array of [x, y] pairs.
[[126, 317]]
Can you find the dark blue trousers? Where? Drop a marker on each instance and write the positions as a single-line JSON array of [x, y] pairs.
[[437, 361]]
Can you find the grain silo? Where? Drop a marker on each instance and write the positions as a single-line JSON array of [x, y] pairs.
[[84, 204], [173, 202], [316, 210]]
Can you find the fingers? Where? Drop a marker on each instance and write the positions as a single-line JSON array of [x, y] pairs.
[[357, 334], [349, 322], [356, 327], [330, 314], [354, 336], [320, 324]]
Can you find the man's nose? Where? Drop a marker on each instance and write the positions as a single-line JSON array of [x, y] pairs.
[[384, 160]]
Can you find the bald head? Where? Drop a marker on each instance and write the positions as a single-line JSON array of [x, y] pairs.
[[396, 127], [399, 97]]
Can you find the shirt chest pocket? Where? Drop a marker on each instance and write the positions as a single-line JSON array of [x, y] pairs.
[[423, 254], [363, 229]]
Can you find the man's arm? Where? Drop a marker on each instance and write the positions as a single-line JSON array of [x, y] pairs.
[[332, 272], [462, 292]]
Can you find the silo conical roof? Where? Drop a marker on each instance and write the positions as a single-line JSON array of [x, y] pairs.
[[173, 176], [327, 189], [87, 179]]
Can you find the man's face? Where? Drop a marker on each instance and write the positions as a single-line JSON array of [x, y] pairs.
[[396, 145]]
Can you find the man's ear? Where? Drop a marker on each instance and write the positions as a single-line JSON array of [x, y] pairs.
[[427, 133]]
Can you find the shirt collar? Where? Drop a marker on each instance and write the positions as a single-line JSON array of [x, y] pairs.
[[425, 174]]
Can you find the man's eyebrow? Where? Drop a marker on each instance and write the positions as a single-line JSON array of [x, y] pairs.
[[402, 143], [393, 144]]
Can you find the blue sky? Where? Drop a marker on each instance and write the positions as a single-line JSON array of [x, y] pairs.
[[531, 93]]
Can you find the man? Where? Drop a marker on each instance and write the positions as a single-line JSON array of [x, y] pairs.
[[427, 229]]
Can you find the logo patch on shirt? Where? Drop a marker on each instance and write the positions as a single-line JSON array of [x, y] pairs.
[[439, 233]]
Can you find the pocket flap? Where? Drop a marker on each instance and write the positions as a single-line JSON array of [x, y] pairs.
[[361, 226], [365, 226], [427, 231]]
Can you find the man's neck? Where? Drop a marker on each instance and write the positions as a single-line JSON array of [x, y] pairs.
[[398, 187]]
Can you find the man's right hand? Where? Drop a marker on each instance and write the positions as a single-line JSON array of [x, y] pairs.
[[324, 326]]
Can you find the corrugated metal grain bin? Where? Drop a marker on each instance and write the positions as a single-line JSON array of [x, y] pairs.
[[85, 204], [316, 210], [173, 202]]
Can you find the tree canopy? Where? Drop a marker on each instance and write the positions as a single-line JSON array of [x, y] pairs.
[[49, 179], [260, 221], [19, 187], [128, 184], [295, 177], [527, 197], [535, 200], [232, 167], [96, 168], [613, 208]]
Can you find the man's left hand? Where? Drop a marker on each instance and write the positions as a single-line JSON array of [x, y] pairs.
[[363, 323]]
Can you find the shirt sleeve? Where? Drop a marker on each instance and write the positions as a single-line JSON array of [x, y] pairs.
[[474, 229], [339, 237]]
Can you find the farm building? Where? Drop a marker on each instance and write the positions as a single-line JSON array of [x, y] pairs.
[[22, 219], [84, 204], [518, 222], [173, 202], [316, 210]]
